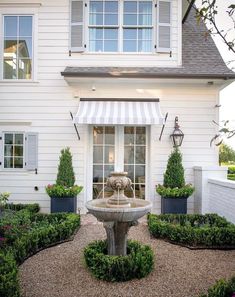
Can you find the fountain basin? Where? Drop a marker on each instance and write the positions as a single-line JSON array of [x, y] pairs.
[[103, 213]]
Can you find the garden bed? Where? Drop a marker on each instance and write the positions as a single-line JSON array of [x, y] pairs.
[[24, 233], [208, 231], [222, 288]]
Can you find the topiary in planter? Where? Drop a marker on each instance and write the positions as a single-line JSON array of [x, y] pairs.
[[136, 264], [65, 175]]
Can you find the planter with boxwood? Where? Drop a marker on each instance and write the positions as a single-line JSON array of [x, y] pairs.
[[64, 193], [174, 192], [194, 231], [23, 234], [222, 288], [137, 263]]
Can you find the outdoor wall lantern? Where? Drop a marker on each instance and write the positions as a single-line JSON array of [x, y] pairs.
[[177, 136]]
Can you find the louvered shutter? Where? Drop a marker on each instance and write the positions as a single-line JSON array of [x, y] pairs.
[[164, 26], [31, 151], [1, 150], [77, 26]]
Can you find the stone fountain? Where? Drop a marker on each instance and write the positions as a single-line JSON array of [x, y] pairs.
[[118, 213]]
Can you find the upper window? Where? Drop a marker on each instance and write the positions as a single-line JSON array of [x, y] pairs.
[[13, 150], [18, 47], [114, 27]]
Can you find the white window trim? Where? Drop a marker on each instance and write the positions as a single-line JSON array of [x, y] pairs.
[[28, 10], [3, 152], [120, 28]]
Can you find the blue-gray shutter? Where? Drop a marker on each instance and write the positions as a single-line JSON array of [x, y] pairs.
[[164, 26], [1, 150], [31, 151], [77, 26]]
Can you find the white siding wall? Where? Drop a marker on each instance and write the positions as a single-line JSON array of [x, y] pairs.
[[43, 106]]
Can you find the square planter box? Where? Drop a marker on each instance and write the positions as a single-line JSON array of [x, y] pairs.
[[173, 205], [68, 204]]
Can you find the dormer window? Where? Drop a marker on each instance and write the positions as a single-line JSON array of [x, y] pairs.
[[124, 26]]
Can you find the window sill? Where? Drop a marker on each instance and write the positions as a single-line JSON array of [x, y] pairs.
[[17, 82]]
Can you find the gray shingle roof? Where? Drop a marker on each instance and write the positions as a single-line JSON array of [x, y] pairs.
[[200, 59]]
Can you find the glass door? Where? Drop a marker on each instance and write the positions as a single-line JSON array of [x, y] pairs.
[[119, 148]]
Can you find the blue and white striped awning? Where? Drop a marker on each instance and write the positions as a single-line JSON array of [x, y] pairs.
[[119, 112]]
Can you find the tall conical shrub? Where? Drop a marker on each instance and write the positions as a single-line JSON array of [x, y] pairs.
[[65, 176], [174, 175]]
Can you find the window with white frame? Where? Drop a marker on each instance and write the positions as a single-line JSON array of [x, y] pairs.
[[13, 150], [126, 26], [18, 46]]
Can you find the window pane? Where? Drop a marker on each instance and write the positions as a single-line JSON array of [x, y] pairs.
[[140, 155], [96, 34], [129, 155], [19, 151], [140, 135], [145, 7], [10, 48], [97, 188], [130, 170], [8, 162], [130, 6], [19, 139], [96, 46], [8, 150], [145, 19], [98, 135], [109, 155], [111, 6], [25, 26], [96, 19], [109, 135], [9, 68], [129, 135], [10, 26], [18, 163], [144, 46], [110, 46], [24, 69], [145, 34], [111, 19], [130, 33], [107, 170], [129, 46], [97, 173], [139, 172], [25, 48], [130, 19], [8, 138], [98, 154], [111, 34], [96, 6]]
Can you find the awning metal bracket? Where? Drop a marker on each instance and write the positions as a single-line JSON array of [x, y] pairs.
[[76, 129], [163, 127]]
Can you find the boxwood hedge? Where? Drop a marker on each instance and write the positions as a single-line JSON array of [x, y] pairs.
[[137, 264], [198, 231], [23, 234], [222, 288]]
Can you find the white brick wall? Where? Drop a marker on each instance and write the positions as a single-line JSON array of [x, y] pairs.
[[221, 198]]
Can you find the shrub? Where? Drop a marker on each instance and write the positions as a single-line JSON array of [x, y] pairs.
[[137, 264], [26, 233], [30, 207], [208, 230], [231, 176], [231, 170], [63, 192], [65, 176], [183, 192], [222, 288]]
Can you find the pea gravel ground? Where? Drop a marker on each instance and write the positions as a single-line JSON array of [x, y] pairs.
[[60, 271]]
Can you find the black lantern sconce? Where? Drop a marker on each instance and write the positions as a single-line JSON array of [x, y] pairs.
[[177, 136]]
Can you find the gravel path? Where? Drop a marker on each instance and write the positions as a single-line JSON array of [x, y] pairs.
[[179, 272]]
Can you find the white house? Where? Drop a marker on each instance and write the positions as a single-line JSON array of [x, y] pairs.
[[118, 66]]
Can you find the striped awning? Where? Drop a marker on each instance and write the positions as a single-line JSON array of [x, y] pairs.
[[119, 112]]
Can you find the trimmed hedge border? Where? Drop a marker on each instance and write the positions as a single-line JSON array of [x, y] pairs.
[[34, 208], [208, 231], [222, 288], [51, 230], [137, 264]]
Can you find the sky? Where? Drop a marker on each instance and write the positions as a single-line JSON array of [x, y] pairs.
[[227, 95]]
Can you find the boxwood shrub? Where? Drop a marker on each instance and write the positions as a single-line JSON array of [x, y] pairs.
[[137, 264], [204, 231], [222, 288], [24, 233], [16, 207]]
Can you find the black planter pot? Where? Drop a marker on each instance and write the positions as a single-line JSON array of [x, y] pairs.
[[68, 204], [174, 205]]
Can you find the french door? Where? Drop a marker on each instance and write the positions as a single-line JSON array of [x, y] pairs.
[[119, 148]]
